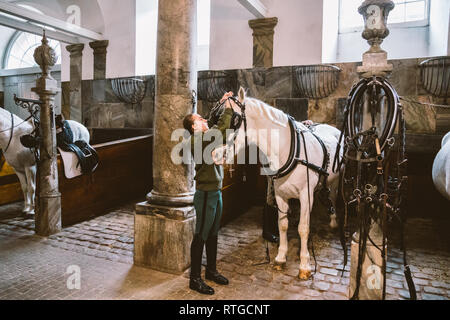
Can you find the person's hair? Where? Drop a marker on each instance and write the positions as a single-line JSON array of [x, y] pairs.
[[188, 122]]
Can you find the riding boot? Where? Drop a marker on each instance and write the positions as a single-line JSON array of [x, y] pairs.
[[211, 259], [196, 283], [270, 224]]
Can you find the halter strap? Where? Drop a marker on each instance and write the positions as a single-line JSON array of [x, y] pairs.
[[11, 133]]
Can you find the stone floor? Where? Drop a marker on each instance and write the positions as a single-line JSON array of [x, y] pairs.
[[34, 267]]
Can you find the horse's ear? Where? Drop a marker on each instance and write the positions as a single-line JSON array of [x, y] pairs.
[[241, 94]]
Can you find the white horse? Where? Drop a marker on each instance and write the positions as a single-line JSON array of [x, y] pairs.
[[21, 159], [262, 116], [441, 168]]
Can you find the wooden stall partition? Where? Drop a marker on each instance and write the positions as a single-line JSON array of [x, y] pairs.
[[10, 189], [124, 174]]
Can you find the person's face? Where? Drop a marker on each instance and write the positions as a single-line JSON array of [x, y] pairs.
[[200, 124]]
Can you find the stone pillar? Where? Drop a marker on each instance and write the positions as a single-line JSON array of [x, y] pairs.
[[375, 63], [76, 72], [48, 215], [99, 58], [263, 31], [164, 225], [371, 286]]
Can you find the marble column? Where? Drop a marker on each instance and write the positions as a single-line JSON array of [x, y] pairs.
[[100, 50], [48, 214], [164, 225], [76, 71], [263, 31]]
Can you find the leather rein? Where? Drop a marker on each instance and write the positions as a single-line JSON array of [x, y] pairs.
[[12, 130]]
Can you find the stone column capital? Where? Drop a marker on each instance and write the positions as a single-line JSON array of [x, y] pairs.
[[99, 46], [75, 50], [264, 26]]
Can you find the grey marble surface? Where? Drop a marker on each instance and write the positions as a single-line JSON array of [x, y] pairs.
[[276, 86]]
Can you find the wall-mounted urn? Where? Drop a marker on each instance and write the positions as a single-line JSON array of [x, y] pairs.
[[375, 13]]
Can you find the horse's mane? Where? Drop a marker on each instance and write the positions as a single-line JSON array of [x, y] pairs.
[[261, 109]]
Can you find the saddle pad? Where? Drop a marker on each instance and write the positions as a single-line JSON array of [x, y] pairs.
[[70, 164]]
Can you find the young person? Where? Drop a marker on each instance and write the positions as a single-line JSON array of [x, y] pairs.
[[207, 201]]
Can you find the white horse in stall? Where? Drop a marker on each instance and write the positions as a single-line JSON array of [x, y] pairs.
[[21, 159], [259, 115], [441, 168]]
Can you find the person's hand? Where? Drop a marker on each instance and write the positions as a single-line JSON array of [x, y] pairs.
[[225, 97], [308, 123]]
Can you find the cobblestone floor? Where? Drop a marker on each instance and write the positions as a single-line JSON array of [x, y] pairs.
[[34, 267]]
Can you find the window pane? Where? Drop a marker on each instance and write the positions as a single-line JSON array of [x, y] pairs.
[[415, 11], [398, 14], [349, 16]]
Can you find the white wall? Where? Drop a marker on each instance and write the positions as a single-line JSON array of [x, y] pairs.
[[330, 30], [439, 26], [298, 35], [402, 43], [119, 17], [231, 42], [297, 39]]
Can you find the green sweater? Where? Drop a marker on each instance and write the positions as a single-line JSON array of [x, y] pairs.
[[209, 176]]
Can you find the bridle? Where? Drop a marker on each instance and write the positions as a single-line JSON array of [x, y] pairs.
[[11, 129]]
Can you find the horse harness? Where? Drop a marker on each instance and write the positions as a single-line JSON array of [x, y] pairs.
[[296, 135], [11, 129]]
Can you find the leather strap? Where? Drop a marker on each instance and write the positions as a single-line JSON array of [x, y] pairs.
[[11, 133]]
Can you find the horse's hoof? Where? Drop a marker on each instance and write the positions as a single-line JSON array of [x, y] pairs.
[[304, 274], [279, 266]]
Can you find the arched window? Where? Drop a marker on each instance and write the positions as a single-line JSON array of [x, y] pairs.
[[20, 50], [19, 53]]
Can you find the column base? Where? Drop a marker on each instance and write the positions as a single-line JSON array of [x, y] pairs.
[[163, 236], [371, 286], [48, 216], [375, 64]]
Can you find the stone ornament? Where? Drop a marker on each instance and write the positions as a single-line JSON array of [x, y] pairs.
[[45, 57], [375, 13]]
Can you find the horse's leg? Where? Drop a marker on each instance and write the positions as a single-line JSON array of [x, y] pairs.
[[303, 230], [23, 183], [31, 184], [334, 186], [283, 223]]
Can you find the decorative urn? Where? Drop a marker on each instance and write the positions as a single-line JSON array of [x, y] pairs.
[[375, 13], [45, 57]]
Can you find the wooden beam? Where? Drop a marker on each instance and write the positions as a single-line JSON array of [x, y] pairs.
[[255, 7], [37, 30], [35, 17]]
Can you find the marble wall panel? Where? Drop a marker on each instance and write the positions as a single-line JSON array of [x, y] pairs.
[[419, 118], [254, 81], [341, 104], [298, 108], [279, 82], [323, 111], [65, 100], [405, 76]]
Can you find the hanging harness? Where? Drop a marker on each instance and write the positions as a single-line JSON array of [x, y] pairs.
[[374, 189]]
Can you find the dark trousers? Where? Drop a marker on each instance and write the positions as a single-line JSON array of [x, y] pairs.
[[208, 208]]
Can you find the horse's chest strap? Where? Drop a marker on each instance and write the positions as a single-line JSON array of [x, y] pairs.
[[313, 167]]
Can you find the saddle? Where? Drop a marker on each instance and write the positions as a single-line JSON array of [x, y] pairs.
[[86, 155]]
